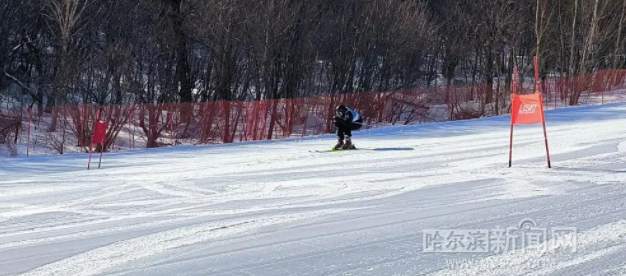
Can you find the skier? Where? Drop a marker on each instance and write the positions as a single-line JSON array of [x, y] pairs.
[[346, 120]]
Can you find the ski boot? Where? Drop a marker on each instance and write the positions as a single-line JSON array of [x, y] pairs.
[[339, 145], [348, 144]]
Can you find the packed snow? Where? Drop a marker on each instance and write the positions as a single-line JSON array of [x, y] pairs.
[[283, 208]]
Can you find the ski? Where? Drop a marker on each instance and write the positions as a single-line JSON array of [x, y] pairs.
[[366, 149], [331, 150]]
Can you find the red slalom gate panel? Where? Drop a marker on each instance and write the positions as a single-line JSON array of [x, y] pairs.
[[526, 109], [99, 133]]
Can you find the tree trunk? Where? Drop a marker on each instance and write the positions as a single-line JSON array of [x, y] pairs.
[[618, 41], [183, 70]]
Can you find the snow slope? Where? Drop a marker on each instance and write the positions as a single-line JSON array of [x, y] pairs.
[[276, 208]]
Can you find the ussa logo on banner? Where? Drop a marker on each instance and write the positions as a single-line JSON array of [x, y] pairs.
[[528, 108]]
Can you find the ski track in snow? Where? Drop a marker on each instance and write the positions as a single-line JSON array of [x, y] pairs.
[[276, 208]]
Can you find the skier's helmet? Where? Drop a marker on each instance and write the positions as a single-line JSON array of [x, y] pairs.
[[341, 110]]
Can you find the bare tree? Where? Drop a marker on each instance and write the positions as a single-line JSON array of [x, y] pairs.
[[66, 18]]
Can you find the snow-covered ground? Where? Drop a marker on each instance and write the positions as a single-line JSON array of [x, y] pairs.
[[280, 208]]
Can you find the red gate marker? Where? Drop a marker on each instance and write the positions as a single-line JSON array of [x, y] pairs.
[[98, 137], [526, 110]]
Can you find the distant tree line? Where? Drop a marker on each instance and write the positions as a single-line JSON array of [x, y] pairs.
[[164, 51]]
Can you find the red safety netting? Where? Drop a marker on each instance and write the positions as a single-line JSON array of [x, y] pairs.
[[154, 125]]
